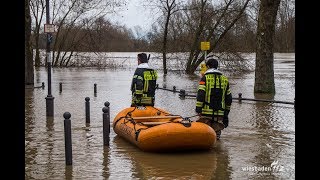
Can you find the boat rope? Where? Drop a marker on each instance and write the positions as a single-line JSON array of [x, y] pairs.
[[128, 115], [164, 112], [192, 116], [137, 132], [175, 115], [186, 120], [128, 118]]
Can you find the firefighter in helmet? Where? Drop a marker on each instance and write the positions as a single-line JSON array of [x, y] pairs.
[[214, 97], [143, 84]]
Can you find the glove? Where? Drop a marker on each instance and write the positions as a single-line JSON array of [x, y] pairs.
[[198, 110], [226, 113], [225, 118], [225, 122]]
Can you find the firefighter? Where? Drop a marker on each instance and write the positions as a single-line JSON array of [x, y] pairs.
[[143, 84], [214, 97]]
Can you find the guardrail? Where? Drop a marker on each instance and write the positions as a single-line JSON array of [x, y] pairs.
[[183, 94]]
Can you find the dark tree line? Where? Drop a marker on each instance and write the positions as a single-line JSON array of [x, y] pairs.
[[29, 71], [103, 36], [261, 26], [115, 39]]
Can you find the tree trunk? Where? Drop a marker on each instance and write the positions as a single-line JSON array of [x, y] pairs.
[[194, 52], [29, 71], [37, 55], [264, 72], [164, 45]]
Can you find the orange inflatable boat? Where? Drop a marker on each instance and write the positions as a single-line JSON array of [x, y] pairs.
[[154, 129]]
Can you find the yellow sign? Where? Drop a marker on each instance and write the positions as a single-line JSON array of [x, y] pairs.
[[205, 45]]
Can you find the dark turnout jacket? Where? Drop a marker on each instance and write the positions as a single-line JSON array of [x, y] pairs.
[[214, 95], [143, 85]]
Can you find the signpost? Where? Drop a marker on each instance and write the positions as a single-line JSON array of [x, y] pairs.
[[49, 28], [205, 46]]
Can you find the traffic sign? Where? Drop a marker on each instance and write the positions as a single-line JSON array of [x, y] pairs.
[[49, 28], [205, 45]]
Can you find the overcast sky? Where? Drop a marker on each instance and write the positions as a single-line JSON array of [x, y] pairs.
[[134, 14]]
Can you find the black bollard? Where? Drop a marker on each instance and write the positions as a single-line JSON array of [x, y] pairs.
[[95, 88], [174, 89], [87, 110], [67, 138], [182, 93], [60, 87], [240, 97], [42, 85], [106, 123]]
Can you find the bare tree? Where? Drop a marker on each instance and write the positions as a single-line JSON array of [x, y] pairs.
[[69, 14], [37, 10], [264, 72], [285, 28], [66, 15], [201, 15], [29, 70], [214, 29], [167, 9]]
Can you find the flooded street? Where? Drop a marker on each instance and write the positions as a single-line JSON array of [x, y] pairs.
[[259, 142]]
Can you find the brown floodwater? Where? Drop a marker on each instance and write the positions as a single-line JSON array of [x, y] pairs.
[[258, 144]]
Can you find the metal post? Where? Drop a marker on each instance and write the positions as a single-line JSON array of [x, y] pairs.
[[60, 87], [106, 123], [205, 56], [95, 88], [49, 98], [240, 97], [174, 89], [42, 85], [87, 110], [67, 138], [182, 93]]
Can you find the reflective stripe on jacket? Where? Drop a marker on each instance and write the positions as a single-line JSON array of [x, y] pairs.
[[143, 86], [213, 80]]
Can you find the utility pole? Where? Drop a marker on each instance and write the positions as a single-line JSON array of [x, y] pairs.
[[49, 98]]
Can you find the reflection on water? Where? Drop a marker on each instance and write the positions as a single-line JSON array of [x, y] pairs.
[[68, 172], [258, 144], [106, 162], [183, 165]]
